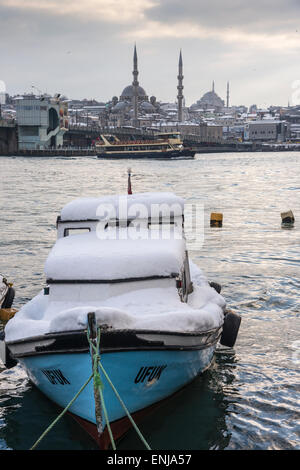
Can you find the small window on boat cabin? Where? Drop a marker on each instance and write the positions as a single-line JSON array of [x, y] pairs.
[[75, 231]]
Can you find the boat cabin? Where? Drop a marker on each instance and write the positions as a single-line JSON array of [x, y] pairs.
[[150, 210], [117, 240], [173, 137]]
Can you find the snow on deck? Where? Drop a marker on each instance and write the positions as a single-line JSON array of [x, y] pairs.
[[154, 305]]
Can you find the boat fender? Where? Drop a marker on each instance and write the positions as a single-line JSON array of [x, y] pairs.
[[5, 355], [9, 298], [216, 286], [231, 327]]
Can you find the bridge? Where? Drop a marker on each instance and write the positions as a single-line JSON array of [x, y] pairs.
[[8, 137], [80, 140], [84, 136]]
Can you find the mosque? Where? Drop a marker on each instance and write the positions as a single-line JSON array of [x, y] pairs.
[[210, 100], [134, 101]]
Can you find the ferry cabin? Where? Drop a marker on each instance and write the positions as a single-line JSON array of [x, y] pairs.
[[164, 142]]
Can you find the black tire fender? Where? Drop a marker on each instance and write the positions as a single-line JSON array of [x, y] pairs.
[[216, 286], [5, 355], [9, 298], [231, 327]]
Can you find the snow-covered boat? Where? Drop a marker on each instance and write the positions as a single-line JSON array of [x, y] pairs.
[[124, 258]]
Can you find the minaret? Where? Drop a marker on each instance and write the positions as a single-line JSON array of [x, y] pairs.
[[135, 84], [227, 98], [180, 89], [213, 86]]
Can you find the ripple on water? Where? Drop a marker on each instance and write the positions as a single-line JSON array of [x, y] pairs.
[[249, 398]]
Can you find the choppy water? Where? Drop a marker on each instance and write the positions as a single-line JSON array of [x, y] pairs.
[[249, 398]]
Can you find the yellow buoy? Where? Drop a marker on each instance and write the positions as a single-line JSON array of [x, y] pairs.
[[7, 313], [216, 219], [287, 217]]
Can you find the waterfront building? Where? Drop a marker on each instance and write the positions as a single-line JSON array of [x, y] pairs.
[[202, 132], [8, 137], [42, 122], [267, 130], [2, 98], [253, 109]]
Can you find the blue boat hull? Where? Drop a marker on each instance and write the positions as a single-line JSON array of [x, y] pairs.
[[144, 366], [141, 378]]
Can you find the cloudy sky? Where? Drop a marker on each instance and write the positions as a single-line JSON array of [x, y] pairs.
[[84, 48]]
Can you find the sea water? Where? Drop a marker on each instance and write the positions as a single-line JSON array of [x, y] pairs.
[[249, 398]]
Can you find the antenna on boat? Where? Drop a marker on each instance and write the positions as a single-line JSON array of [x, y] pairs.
[[129, 191]]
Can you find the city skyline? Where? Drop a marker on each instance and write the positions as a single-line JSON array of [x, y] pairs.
[[85, 50]]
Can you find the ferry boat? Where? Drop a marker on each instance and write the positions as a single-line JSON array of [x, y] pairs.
[[165, 146], [160, 319]]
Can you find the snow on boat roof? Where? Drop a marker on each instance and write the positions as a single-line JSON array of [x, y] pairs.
[[86, 257], [122, 206]]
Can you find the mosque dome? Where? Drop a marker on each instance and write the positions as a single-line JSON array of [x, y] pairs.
[[121, 106], [147, 107], [209, 100], [128, 93], [212, 99]]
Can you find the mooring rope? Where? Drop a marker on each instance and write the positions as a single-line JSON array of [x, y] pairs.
[[99, 385], [97, 358], [98, 382], [61, 414]]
